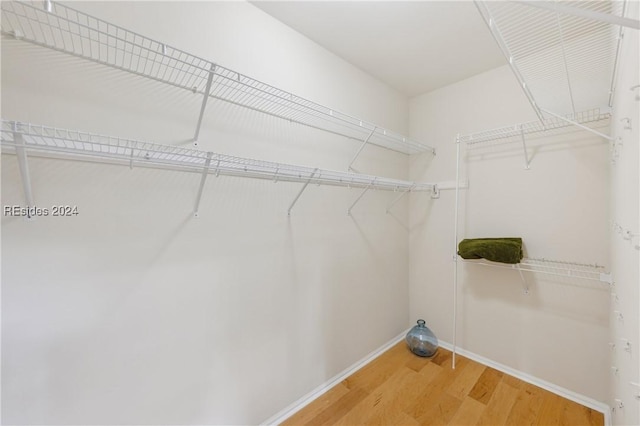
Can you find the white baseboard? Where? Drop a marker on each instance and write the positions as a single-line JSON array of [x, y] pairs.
[[296, 406], [290, 410], [558, 390]]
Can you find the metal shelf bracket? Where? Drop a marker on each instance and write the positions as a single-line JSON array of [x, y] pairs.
[[364, 191], [527, 162], [435, 192], [606, 278], [360, 149], [399, 197], [525, 285], [575, 123], [23, 165], [203, 178], [205, 98], [295, 200]]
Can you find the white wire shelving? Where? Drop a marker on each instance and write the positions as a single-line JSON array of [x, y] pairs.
[[563, 54], [61, 28], [517, 131], [20, 138], [558, 268]]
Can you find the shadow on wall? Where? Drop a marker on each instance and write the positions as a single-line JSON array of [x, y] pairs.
[[556, 295]]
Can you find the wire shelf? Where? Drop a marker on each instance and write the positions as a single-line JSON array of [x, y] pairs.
[[575, 270], [516, 131], [70, 31], [564, 62], [93, 147]]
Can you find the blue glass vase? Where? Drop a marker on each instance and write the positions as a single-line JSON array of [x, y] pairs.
[[421, 340]]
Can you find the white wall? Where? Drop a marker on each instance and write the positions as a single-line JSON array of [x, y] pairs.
[[559, 331], [134, 312], [625, 213]]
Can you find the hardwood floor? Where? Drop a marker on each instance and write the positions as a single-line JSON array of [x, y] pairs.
[[399, 388]]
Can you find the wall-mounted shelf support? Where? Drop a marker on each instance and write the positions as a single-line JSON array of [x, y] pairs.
[[627, 123], [399, 197], [203, 178], [525, 285], [23, 165], [364, 191], [527, 162], [626, 345], [575, 123], [295, 200], [435, 194], [205, 98], [360, 150]]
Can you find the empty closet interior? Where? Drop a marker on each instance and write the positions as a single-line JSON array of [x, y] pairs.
[[213, 211]]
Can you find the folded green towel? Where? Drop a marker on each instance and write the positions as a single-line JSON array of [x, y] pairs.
[[504, 250]]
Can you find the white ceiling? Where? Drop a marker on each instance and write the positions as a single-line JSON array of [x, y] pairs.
[[413, 46]]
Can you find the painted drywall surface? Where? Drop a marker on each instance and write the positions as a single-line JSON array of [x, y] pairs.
[[625, 214], [559, 331], [134, 312]]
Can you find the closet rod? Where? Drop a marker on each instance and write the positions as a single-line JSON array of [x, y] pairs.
[[78, 145], [68, 30]]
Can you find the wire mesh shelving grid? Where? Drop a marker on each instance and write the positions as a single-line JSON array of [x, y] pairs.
[[76, 144], [70, 31], [573, 270], [565, 62], [595, 115]]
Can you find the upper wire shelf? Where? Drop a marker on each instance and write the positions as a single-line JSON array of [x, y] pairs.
[[76, 144], [564, 61], [532, 127], [67, 30]]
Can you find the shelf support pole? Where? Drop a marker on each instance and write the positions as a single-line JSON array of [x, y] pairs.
[[527, 162], [588, 129], [205, 98], [360, 149], [295, 200], [455, 253], [203, 178], [364, 191], [23, 165], [405, 192]]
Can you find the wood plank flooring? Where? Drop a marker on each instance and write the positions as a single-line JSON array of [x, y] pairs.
[[399, 388]]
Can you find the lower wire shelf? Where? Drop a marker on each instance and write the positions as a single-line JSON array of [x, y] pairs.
[[93, 147], [20, 138], [583, 271]]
